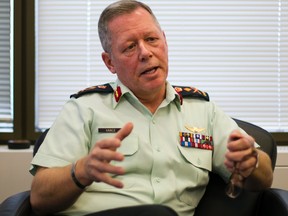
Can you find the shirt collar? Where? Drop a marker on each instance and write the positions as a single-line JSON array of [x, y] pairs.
[[120, 90], [172, 95]]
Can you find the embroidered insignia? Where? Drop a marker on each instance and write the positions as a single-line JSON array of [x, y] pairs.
[[194, 129], [178, 89], [188, 89], [117, 93], [191, 92], [106, 88], [181, 98], [196, 140]]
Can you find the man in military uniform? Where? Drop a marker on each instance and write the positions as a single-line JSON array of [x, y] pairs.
[[139, 144]]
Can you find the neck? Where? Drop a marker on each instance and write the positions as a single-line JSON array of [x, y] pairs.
[[153, 101]]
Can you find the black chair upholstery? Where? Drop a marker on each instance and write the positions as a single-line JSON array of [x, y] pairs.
[[39, 141], [263, 137], [273, 202], [214, 202], [17, 205]]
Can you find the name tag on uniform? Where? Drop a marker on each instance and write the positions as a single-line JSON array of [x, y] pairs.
[[196, 140], [108, 130]]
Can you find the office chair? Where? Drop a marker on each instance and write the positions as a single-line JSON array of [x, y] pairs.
[[214, 202], [267, 202]]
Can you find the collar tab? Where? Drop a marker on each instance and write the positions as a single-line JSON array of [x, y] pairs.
[[117, 94]]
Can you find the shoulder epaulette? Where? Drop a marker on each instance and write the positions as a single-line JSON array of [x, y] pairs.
[[191, 92], [103, 89]]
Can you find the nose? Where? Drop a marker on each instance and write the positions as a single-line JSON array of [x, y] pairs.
[[144, 52]]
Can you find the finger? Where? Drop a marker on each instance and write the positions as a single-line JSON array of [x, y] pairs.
[[104, 167], [106, 178], [104, 171], [111, 181], [108, 143], [238, 155], [237, 143], [234, 140], [246, 172], [248, 141], [124, 131], [107, 154], [229, 165], [100, 171], [249, 162]]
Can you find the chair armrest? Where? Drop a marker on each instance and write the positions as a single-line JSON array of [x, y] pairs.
[[16, 205], [274, 202]]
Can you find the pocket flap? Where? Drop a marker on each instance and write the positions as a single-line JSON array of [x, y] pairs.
[[201, 158], [129, 145]]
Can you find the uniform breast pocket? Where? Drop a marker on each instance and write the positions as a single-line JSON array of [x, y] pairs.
[[129, 147], [201, 158]]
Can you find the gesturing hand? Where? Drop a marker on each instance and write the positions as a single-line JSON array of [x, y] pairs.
[[96, 165]]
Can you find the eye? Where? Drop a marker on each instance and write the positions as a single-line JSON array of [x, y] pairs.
[[151, 39], [130, 47]]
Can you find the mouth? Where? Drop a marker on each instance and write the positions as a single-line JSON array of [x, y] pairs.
[[150, 70]]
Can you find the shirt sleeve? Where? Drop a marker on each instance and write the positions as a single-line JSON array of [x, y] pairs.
[[68, 138], [222, 126]]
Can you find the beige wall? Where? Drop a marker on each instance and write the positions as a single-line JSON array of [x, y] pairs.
[[14, 175], [14, 171], [281, 169]]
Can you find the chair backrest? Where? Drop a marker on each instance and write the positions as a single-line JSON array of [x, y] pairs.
[[216, 202], [262, 137], [39, 141]]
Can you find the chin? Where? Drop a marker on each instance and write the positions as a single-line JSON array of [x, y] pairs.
[[156, 85]]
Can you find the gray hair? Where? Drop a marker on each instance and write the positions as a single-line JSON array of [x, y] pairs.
[[114, 10]]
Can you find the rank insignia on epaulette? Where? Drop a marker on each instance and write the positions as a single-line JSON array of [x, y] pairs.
[[106, 88], [196, 140], [190, 92]]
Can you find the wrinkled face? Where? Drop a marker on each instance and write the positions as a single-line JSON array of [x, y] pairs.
[[139, 53]]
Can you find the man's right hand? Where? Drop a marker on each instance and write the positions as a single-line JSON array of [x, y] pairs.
[[96, 166]]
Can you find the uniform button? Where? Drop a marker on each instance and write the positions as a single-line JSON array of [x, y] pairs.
[[157, 148], [157, 180]]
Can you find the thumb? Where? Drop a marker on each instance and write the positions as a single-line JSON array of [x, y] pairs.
[[235, 135], [124, 131]]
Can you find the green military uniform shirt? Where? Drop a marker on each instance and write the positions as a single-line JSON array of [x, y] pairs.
[[158, 168]]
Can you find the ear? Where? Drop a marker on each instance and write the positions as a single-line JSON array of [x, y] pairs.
[[164, 35], [108, 62]]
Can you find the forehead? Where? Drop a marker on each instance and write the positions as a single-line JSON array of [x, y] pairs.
[[139, 19]]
